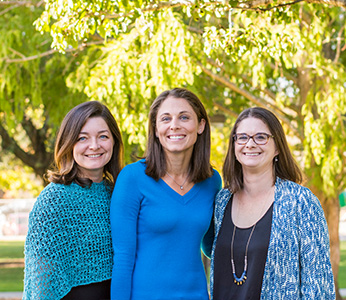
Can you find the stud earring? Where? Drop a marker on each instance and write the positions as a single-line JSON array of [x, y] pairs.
[[276, 159]]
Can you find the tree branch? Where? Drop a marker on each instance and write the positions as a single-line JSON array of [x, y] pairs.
[[22, 3], [255, 100], [6, 10], [49, 52], [9, 144], [32, 133], [338, 46], [257, 5]]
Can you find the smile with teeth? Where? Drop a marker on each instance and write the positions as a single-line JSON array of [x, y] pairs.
[[251, 154], [176, 137], [93, 155]]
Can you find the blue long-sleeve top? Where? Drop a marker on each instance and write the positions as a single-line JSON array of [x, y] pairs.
[[157, 236], [298, 259]]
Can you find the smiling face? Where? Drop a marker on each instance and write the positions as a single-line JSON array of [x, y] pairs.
[[253, 156], [177, 126], [93, 149]]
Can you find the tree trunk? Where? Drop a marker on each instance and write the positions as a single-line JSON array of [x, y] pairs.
[[331, 209]]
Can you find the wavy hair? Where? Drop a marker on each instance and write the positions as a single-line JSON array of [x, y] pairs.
[[65, 170]]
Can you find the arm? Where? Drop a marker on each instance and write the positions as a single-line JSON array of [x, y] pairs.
[[208, 239], [317, 280], [124, 210], [40, 280]]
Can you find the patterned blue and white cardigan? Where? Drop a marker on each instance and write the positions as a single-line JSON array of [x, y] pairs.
[[298, 260]]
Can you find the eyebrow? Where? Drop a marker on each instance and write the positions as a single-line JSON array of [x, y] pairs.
[[101, 131], [182, 112]]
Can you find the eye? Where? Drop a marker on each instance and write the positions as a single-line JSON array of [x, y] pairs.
[[242, 137], [165, 119], [81, 139], [261, 137], [184, 117], [104, 137]]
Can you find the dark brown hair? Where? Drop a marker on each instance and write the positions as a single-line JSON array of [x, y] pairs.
[[285, 167], [200, 167], [65, 168]]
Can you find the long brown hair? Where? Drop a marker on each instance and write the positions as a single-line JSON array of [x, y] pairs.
[[65, 169], [285, 167], [200, 167]]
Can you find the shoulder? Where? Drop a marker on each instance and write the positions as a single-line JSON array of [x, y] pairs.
[[302, 196], [52, 190], [216, 175], [138, 166], [221, 200], [216, 178], [223, 195], [287, 187], [134, 172]]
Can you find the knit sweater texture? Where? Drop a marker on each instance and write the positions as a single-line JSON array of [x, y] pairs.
[[298, 260], [69, 241], [157, 236]]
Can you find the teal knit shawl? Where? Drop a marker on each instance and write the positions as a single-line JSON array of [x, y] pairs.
[[68, 242]]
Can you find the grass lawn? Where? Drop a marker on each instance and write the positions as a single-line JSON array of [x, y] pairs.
[[11, 250], [11, 279]]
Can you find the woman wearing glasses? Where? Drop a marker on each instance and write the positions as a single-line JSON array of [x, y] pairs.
[[271, 236]]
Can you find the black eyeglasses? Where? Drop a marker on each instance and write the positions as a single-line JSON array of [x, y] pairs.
[[259, 138]]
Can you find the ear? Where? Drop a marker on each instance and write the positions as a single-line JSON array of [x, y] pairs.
[[201, 126]]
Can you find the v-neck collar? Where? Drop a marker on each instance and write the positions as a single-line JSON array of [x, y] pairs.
[[184, 199]]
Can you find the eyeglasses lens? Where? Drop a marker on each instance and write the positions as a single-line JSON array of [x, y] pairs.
[[258, 138]]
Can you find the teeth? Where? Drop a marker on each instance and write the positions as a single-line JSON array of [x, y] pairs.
[[176, 137], [94, 155], [251, 154]]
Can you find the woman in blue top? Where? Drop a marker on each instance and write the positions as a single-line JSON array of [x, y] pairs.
[[68, 249], [162, 206], [271, 234]]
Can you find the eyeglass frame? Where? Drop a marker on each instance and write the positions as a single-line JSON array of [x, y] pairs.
[[235, 138]]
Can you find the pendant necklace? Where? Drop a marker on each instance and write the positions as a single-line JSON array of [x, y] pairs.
[[180, 185], [240, 280]]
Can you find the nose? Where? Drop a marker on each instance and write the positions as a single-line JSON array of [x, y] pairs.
[[174, 124], [252, 143], [94, 145]]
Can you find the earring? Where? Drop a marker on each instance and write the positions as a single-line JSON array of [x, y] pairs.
[[276, 159]]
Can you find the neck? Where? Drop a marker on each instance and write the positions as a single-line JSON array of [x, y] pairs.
[[256, 184], [94, 177], [178, 165]]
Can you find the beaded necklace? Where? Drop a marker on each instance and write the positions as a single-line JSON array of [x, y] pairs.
[[240, 280]]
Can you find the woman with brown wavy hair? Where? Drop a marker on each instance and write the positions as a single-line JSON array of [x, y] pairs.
[[68, 249]]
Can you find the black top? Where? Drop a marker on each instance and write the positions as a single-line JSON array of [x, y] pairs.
[[93, 291], [224, 286]]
